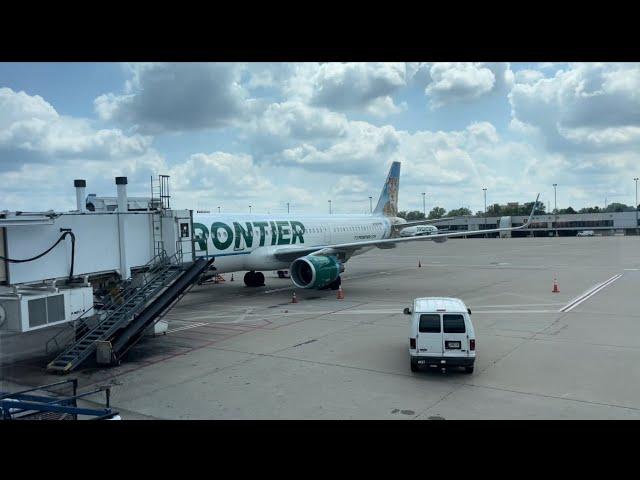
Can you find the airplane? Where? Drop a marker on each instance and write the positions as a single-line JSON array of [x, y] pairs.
[[418, 230], [314, 248]]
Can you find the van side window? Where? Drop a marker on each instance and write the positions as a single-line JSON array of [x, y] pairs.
[[429, 323], [453, 323]]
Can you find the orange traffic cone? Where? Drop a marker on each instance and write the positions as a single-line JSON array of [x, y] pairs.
[[294, 299], [419, 264], [556, 289], [340, 294]]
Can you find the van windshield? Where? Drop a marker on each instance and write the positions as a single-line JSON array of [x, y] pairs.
[[429, 323], [453, 323]]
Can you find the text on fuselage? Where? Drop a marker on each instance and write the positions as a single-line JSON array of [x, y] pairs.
[[249, 233]]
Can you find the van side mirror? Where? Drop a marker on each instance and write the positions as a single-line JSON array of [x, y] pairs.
[[469, 310], [407, 311]]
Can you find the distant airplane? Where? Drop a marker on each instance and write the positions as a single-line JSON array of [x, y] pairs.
[[419, 230], [314, 248]]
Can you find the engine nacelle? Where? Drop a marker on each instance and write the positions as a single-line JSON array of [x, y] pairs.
[[314, 271], [440, 240]]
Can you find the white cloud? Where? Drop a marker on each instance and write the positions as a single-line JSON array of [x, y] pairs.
[[234, 174], [162, 97], [41, 152], [362, 148], [348, 86], [286, 124], [448, 83], [588, 106], [32, 131], [528, 76], [293, 135]]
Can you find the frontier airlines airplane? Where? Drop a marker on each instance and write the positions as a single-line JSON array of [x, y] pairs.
[[313, 248]]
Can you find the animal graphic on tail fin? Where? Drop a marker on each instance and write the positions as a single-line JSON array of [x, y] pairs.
[[388, 202]]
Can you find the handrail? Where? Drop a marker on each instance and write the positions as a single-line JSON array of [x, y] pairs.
[[74, 381], [154, 265], [165, 267]]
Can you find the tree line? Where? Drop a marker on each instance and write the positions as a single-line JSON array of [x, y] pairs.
[[497, 210]]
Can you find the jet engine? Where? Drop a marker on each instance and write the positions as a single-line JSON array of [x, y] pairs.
[[440, 240], [315, 271]]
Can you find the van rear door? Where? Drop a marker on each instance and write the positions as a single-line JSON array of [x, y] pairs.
[[454, 335], [429, 337]]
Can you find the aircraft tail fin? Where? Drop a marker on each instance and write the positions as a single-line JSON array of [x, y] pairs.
[[388, 202]]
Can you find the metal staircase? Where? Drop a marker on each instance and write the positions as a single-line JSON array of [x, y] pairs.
[[124, 289], [125, 309]]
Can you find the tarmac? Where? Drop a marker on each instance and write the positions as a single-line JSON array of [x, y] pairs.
[[233, 352]]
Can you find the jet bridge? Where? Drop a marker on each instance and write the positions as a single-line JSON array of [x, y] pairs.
[[54, 266]]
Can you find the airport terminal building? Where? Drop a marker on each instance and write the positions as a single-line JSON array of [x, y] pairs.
[[563, 225]]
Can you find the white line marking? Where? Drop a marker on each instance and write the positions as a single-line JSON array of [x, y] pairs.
[[511, 311], [588, 294], [518, 305], [195, 325]]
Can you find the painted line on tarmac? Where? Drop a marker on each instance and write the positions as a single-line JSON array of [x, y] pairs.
[[513, 311], [589, 293], [520, 305], [187, 327]]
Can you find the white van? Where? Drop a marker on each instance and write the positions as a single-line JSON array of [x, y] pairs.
[[441, 334]]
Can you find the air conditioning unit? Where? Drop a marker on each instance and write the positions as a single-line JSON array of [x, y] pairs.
[[28, 310]]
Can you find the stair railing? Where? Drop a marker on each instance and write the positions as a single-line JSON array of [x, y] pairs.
[[80, 324]]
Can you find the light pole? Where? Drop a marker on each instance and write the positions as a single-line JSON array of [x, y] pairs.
[[555, 208], [424, 207], [329, 207], [249, 208], [485, 210], [636, 205], [287, 207], [218, 209], [370, 205]]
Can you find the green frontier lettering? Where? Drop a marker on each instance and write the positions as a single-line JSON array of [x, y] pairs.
[[246, 234], [298, 231], [283, 230], [221, 245], [263, 232], [201, 234], [280, 232]]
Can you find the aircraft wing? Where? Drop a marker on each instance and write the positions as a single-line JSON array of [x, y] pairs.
[[292, 253]]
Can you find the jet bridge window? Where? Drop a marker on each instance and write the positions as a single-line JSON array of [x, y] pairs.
[[429, 323], [453, 323]]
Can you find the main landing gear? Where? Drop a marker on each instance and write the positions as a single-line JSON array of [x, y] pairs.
[[335, 285], [254, 279]]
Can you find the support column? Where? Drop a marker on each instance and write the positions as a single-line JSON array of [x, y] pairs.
[[121, 183]]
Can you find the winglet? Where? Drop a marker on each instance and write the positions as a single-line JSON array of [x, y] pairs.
[[533, 209]]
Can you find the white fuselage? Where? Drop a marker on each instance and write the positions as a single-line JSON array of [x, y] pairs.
[[247, 242]]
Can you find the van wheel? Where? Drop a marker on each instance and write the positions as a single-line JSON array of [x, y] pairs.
[[414, 366], [468, 369]]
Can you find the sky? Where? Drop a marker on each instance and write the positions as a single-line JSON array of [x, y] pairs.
[[264, 134]]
